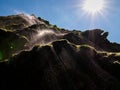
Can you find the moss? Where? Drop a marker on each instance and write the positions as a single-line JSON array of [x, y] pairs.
[[10, 43], [76, 32], [115, 54], [45, 21], [14, 26], [54, 27], [85, 46], [6, 30], [42, 45], [88, 46], [12, 22], [109, 54]]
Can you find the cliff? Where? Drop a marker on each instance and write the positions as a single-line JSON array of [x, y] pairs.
[[35, 54]]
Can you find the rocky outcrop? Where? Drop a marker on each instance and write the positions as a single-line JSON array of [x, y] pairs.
[[99, 38], [10, 43], [61, 66], [37, 55], [18, 22]]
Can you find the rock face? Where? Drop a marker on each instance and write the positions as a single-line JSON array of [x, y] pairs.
[[45, 57], [99, 38], [19, 21], [9, 43]]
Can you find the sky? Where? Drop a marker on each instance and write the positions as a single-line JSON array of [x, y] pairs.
[[69, 14]]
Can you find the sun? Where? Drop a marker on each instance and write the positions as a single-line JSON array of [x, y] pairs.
[[93, 6]]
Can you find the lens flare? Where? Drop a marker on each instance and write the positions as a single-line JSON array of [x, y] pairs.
[[93, 6]]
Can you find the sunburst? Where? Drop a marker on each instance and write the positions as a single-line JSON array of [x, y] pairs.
[[93, 6]]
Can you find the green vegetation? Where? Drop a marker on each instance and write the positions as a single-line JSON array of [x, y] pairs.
[[10, 43], [76, 32], [45, 21], [109, 54], [12, 22], [54, 27], [85, 47], [42, 45]]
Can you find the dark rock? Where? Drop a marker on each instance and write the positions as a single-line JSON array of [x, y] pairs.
[[38, 55], [10, 43], [60, 67]]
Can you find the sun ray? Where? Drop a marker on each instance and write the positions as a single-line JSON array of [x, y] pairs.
[[93, 6]]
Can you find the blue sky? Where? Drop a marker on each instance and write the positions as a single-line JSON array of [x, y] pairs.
[[68, 14]]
